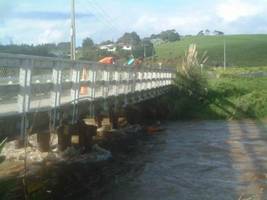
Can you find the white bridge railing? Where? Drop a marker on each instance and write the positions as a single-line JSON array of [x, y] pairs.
[[31, 83]]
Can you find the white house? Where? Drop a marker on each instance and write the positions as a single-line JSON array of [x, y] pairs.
[[127, 47], [108, 47]]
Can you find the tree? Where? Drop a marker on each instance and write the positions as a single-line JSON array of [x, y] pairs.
[[168, 35], [88, 43], [63, 45], [130, 38], [63, 49], [218, 32], [148, 48], [89, 52], [144, 49], [106, 42], [207, 32], [39, 50], [200, 33]]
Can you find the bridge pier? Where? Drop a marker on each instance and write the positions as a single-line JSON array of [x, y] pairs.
[[98, 114], [113, 114], [86, 133], [64, 133], [40, 124], [43, 141]]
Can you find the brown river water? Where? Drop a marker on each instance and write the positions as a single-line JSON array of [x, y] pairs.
[[198, 160], [193, 160]]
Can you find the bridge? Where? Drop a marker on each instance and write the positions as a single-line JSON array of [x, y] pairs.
[[31, 84]]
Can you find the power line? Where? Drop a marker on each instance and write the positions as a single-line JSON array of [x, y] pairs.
[[105, 15], [100, 18]]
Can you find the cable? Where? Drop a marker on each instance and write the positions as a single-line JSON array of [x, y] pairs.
[[101, 18], [105, 15]]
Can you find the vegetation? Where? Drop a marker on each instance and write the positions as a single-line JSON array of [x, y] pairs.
[[167, 36], [2, 144], [215, 93], [130, 38], [190, 86], [236, 93], [233, 96], [242, 50], [189, 80]]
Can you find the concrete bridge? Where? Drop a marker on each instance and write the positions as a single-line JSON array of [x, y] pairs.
[[31, 84]]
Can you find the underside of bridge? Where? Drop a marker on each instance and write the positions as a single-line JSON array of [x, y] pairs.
[[111, 113]]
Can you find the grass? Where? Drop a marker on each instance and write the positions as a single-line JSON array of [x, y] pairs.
[[242, 50], [2, 144], [230, 96]]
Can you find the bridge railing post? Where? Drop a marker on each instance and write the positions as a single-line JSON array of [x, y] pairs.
[[56, 92], [92, 88], [75, 90], [24, 97]]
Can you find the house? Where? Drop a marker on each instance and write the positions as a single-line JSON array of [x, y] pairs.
[[126, 47], [108, 47]]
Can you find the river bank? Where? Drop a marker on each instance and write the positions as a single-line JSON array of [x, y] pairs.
[[222, 95], [63, 177]]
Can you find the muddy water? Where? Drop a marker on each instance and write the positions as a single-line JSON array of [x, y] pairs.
[[217, 160], [197, 160]]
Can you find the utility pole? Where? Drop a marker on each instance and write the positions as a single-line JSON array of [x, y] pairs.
[[144, 51], [224, 54], [73, 32]]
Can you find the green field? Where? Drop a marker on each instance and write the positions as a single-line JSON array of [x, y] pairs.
[[242, 50]]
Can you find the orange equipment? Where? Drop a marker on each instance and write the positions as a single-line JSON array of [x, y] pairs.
[[107, 60], [153, 130], [84, 89]]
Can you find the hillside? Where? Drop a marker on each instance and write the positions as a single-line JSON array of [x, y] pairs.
[[242, 50]]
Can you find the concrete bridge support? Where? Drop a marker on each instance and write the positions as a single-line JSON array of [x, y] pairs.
[[86, 133], [64, 133]]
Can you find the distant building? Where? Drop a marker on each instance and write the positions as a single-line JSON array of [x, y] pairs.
[[108, 47], [127, 47]]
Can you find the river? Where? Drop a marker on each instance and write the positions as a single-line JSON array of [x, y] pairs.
[[197, 160], [191, 160]]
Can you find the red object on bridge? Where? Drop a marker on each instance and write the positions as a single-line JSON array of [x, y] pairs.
[[107, 60]]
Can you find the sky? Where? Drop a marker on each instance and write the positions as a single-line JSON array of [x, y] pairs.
[[48, 21]]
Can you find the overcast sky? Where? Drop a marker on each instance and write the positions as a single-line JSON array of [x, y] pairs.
[[46, 21]]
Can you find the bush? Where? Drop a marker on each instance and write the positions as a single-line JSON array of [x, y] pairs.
[[190, 90]]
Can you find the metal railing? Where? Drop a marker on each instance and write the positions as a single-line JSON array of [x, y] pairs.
[[31, 83]]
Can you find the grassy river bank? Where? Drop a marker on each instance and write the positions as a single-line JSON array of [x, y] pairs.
[[236, 93]]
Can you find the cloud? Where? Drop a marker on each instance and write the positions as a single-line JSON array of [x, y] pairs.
[[233, 10], [31, 21], [50, 36], [36, 32], [184, 22], [48, 15]]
